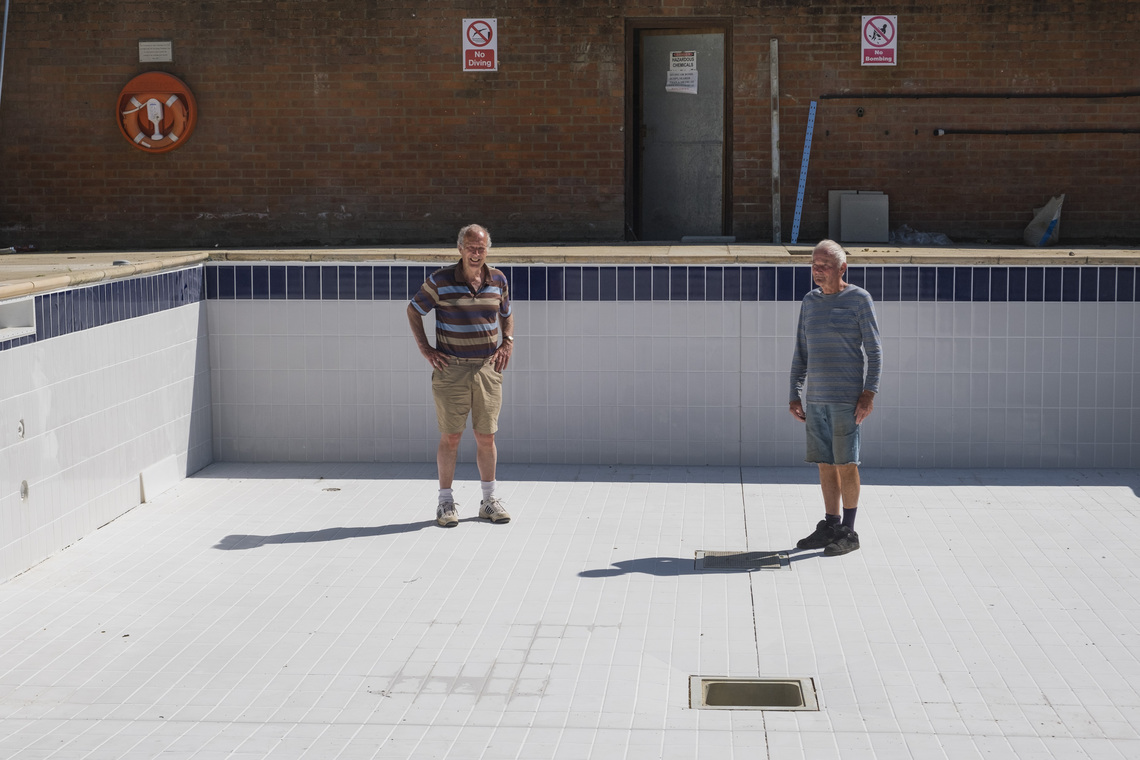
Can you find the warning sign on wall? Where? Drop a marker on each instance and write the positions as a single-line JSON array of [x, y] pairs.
[[880, 40], [480, 44], [682, 76]]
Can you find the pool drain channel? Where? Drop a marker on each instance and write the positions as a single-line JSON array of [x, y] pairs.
[[709, 693]]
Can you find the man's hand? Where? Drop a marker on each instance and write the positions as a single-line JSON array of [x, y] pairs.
[[437, 359], [797, 409], [864, 406], [502, 355]]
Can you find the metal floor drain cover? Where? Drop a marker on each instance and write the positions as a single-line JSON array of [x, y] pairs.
[[742, 560], [707, 693]]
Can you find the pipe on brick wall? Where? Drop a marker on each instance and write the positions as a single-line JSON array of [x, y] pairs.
[[999, 96], [1061, 131], [973, 95]]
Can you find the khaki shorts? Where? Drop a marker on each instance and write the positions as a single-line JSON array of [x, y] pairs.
[[467, 386]]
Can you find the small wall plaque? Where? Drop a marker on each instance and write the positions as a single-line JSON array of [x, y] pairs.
[[156, 51]]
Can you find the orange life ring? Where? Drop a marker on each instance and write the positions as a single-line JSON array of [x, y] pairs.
[[156, 112]]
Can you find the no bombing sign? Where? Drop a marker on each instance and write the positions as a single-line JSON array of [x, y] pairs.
[[480, 44], [880, 40]]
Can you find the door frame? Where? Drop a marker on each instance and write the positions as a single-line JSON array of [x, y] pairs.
[[633, 109]]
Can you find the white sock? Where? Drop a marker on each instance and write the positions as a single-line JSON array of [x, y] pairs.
[[445, 495], [488, 488]]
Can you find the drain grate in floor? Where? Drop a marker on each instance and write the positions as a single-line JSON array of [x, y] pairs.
[[742, 560], [752, 693]]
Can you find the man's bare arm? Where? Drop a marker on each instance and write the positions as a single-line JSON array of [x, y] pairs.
[[437, 359]]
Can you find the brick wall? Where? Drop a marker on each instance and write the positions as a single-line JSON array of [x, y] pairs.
[[330, 122]]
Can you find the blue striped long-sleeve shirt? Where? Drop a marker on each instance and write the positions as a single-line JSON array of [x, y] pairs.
[[838, 350]]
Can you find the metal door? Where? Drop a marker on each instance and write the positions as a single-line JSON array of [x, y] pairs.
[[680, 123]]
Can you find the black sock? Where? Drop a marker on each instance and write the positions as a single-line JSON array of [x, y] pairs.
[[849, 517], [832, 519]]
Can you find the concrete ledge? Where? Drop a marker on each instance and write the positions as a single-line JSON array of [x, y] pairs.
[[709, 255], [29, 273]]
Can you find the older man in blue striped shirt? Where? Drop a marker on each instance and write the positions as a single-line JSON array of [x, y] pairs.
[[839, 355]]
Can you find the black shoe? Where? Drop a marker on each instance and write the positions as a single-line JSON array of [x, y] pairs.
[[824, 534], [846, 541]]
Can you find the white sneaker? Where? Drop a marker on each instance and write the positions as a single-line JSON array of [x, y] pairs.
[[447, 515], [492, 509]]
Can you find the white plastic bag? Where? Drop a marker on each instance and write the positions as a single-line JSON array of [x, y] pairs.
[[1045, 229], [906, 235]]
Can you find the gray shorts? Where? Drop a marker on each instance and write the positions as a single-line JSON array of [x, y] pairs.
[[832, 435]]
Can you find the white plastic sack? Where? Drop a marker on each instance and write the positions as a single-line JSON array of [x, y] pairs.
[[1045, 229]]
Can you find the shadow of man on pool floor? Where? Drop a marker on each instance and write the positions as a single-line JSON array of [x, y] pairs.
[[230, 543], [666, 566]]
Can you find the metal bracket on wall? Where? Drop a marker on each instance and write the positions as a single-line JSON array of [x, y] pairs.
[[803, 175]]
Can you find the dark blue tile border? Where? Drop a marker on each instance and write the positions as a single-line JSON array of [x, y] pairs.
[[661, 283], [294, 283], [78, 309], [1126, 284], [82, 308], [643, 283], [714, 283], [697, 284], [591, 284], [555, 284], [575, 284], [625, 284], [732, 284], [678, 284], [537, 283], [278, 287], [608, 280], [346, 283], [999, 284], [976, 284], [330, 283]]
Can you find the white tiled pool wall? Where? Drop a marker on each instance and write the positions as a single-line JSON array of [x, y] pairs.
[[682, 365], [625, 365], [114, 383]]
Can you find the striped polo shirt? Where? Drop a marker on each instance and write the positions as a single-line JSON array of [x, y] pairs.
[[837, 347], [466, 322]]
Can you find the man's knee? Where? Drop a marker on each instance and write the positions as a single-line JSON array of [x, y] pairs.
[[838, 470], [484, 439], [450, 440]]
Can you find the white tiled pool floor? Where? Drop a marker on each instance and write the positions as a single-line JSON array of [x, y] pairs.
[[316, 611]]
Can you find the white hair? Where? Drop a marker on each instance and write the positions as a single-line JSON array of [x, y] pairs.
[[473, 229], [832, 249]]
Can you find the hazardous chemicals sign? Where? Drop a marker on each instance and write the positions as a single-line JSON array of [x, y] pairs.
[[682, 75]]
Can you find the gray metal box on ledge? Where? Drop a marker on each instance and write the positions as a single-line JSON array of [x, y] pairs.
[[858, 216]]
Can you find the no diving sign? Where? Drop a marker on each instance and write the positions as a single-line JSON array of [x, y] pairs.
[[880, 40], [480, 44]]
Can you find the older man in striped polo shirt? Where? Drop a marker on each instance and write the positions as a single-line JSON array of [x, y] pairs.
[[472, 310], [839, 354]]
